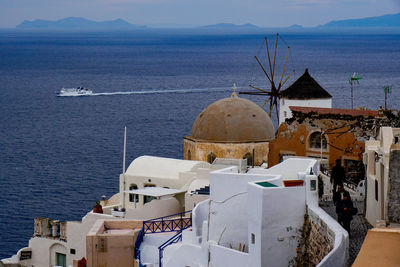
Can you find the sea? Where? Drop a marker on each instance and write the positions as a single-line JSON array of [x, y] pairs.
[[59, 155]]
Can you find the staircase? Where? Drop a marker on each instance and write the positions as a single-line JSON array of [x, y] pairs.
[[171, 223]]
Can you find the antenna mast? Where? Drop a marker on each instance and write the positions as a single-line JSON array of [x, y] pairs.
[[123, 170], [388, 90], [355, 78]]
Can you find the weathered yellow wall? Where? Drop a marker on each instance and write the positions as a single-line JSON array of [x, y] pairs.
[[199, 150], [294, 138]]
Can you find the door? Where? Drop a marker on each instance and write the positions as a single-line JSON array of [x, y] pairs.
[[61, 259]]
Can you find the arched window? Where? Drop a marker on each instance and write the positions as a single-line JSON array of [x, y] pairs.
[[147, 199], [211, 157], [315, 141], [133, 197], [249, 158]]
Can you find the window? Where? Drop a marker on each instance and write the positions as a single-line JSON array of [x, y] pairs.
[[72, 251], [253, 238], [211, 157], [285, 114], [61, 259], [189, 155], [147, 199], [315, 141], [133, 197], [376, 190]]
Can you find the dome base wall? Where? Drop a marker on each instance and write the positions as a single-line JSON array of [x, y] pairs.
[[200, 150]]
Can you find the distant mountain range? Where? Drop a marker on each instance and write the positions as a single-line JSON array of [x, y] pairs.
[[73, 23], [392, 20], [78, 24]]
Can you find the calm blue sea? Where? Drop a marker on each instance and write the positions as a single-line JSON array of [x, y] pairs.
[[58, 155]]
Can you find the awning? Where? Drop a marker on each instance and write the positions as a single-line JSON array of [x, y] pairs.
[[155, 191]]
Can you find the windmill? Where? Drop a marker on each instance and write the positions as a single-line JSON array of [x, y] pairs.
[[274, 91]]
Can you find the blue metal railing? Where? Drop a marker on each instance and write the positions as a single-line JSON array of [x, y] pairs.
[[139, 241], [175, 239], [171, 223]]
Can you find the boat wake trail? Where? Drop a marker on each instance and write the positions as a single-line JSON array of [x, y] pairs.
[[166, 91]]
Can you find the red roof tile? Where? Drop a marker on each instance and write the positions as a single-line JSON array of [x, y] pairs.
[[351, 112]]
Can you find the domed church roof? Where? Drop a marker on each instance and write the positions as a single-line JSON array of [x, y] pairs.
[[233, 119]]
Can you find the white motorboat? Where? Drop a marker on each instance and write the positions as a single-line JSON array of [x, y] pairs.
[[79, 91]]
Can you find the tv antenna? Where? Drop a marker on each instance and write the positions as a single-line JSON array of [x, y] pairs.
[[354, 79], [388, 90]]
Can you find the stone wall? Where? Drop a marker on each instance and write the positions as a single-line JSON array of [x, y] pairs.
[[199, 150], [314, 244], [394, 185]]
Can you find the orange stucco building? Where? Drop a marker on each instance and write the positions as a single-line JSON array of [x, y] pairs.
[[325, 133]]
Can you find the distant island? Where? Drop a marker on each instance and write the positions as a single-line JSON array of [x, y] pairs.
[[391, 20], [73, 23]]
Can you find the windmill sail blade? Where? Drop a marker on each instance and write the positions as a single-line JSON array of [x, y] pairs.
[[254, 93], [266, 101], [263, 68], [284, 67], [276, 46], [271, 105], [262, 90], [287, 78], [269, 58]]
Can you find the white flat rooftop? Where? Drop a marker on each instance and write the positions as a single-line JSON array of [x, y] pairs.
[[155, 191]]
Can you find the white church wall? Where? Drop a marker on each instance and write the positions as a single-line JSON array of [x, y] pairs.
[[284, 104]]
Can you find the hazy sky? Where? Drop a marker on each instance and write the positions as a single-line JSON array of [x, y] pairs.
[[267, 13]]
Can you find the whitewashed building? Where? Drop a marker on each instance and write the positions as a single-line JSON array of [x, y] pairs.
[[382, 157], [254, 219]]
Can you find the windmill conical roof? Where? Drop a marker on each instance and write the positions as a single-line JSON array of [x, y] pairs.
[[305, 87]]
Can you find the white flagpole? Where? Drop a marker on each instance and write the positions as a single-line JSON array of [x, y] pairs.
[[123, 171], [123, 163]]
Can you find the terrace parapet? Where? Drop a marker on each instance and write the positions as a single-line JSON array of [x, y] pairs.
[[54, 229]]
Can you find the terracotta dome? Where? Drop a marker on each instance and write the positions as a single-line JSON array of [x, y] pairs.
[[233, 119]]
